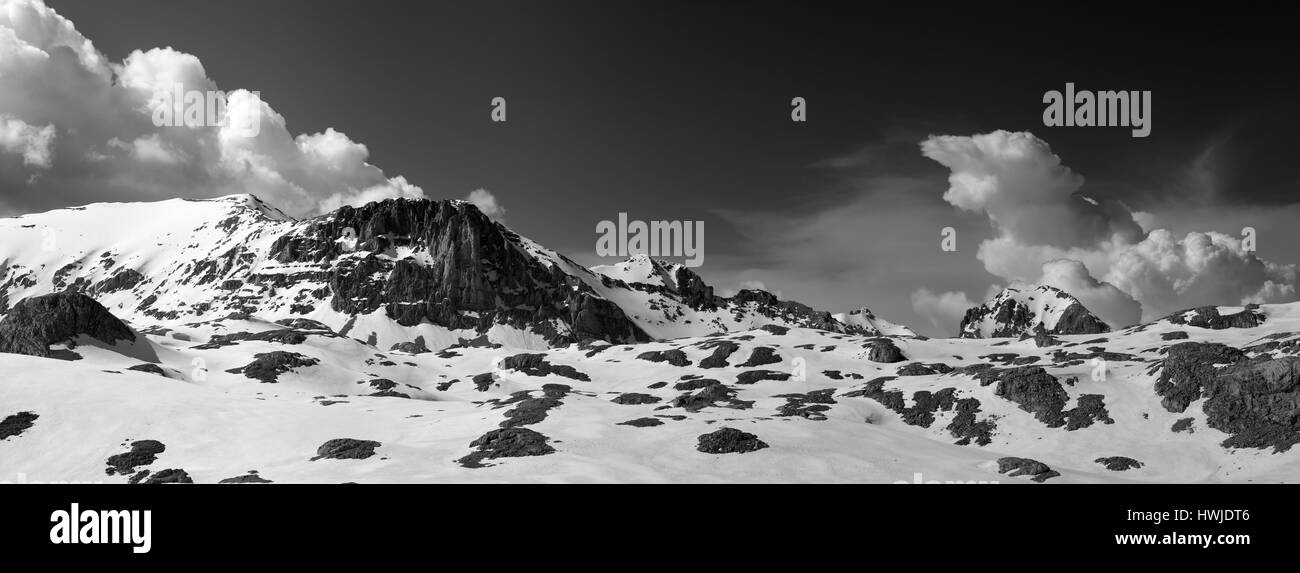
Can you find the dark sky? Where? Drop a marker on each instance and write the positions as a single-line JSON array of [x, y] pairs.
[[680, 111]]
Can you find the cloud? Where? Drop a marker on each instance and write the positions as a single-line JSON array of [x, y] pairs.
[[29, 141], [487, 203], [1047, 231], [1016, 180], [944, 310], [1212, 268], [91, 129], [1105, 300], [395, 188]]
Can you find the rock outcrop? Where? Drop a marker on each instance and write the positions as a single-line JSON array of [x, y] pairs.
[[35, 323]]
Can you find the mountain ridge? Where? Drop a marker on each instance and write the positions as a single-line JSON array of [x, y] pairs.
[[398, 269]]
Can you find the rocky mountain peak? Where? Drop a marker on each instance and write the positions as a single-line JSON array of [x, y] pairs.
[[1017, 311]]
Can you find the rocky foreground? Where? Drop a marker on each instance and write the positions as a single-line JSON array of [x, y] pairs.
[[1206, 395]]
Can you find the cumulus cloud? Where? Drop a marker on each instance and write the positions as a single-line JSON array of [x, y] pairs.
[[1213, 268], [1105, 300], [30, 142], [91, 128], [943, 310], [1048, 232], [487, 203]]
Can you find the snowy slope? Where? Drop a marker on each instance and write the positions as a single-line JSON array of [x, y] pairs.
[[218, 424]]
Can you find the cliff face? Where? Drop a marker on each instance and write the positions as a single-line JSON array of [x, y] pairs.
[[447, 263]]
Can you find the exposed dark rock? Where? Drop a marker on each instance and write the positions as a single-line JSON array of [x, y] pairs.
[[1183, 425], [34, 323], [774, 329], [722, 350], [346, 449], [1079, 320], [530, 411], [1187, 368], [712, 395], [17, 424], [282, 336], [1002, 357], [506, 443], [268, 366], [556, 390], [1064, 358], [150, 368], [124, 279], [884, 350], [536, 365], [143, 453], [1119, 463], [874, 389], [695, 383], [1209, 317], [1032, 469], [1042, 338], [752, 376], [675, 357], [1035, 391], [413, 347], [169, 476], [633, 398], [760, 356], [474, 274], [484, 381], [926, 403], [1175, 335], [303, 324], [811, 405], [643, 423], [1091, 408], [729, 441], [965, 426], [916, 369], [1258, 402]]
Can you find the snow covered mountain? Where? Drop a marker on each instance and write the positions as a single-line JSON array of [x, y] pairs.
[[395, 271], [220, 341], [1022, 311]]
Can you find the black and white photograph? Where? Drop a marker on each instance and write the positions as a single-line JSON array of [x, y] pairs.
[[650, 245]]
